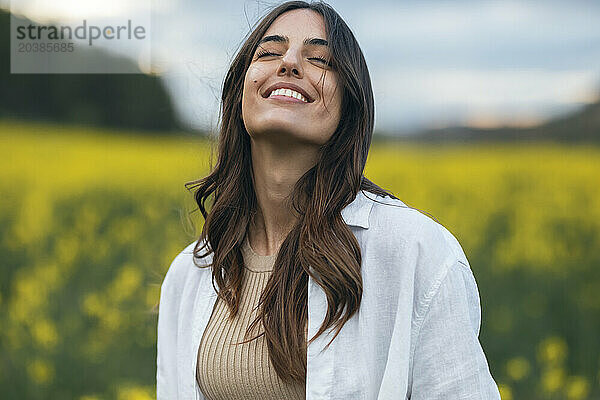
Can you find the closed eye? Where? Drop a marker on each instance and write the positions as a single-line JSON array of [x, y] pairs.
[[265, 53], [324, 61], [268, 53]]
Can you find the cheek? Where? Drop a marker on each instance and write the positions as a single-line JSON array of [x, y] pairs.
[[251, 86], [254, 77], [333, 96], [332, 89]]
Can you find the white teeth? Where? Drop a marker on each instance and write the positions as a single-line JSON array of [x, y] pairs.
[[288, 93]]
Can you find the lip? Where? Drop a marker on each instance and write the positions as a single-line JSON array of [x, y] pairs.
[[287, 85], [286, 99]]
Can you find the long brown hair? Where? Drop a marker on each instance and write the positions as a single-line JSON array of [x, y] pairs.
[[320, 239]]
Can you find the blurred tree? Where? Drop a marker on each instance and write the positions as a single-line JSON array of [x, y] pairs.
[[131, 101]]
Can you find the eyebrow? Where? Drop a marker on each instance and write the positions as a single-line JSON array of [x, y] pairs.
[[285, 39]]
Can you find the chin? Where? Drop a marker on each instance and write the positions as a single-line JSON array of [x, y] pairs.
[[279, 125]]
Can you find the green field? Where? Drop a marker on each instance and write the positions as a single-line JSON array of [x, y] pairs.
[[90, 221]]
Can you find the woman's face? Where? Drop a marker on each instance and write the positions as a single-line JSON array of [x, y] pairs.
[[284, 59]]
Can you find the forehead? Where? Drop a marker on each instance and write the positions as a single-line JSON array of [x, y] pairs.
[[300, 22]]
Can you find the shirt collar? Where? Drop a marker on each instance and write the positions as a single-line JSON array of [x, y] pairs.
[[357, 212]]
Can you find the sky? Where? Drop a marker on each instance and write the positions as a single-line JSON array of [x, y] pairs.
[[432, 63]]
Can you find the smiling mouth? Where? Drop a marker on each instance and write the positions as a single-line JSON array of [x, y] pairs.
[[289, 94], [286, 99]]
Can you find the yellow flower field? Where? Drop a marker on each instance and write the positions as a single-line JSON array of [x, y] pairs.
[[91, 219]]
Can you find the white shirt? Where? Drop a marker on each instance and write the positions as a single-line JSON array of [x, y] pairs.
[[415, 336]]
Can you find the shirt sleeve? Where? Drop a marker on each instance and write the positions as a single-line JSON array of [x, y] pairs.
[[166, 343], [448, 361]]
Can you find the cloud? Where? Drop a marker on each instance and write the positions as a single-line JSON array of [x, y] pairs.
[[429, 60]]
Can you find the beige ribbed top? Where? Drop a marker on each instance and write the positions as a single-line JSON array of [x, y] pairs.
[[241, 371]]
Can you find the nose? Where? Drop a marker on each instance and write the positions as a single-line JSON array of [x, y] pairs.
[[290, 64]]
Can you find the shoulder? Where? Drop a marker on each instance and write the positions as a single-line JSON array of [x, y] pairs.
[[182, 265], [392, 219], [419, 245]]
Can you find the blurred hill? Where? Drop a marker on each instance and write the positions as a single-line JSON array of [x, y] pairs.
[[129, 101], [580, 126]]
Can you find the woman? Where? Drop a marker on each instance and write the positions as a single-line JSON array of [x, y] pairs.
[[301, 244]]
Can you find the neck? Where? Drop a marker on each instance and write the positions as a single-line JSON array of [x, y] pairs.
[[276, 168]]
